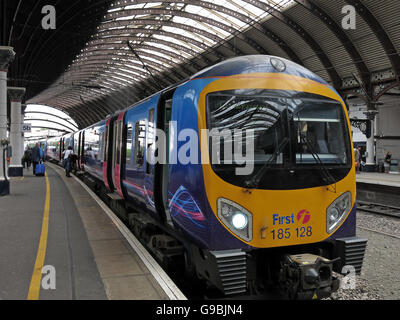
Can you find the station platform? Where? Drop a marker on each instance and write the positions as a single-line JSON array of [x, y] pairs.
[[382, 179], [379, 188], [56, 226]]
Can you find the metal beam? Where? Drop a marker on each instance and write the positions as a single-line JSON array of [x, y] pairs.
[[55, 122], [179, 71], [126, 61], [50, 114]]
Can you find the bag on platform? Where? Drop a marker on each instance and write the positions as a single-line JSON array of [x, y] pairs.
[[40, 169]]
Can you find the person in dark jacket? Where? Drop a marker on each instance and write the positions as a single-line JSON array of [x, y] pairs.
[[28, 157], [36, 156]]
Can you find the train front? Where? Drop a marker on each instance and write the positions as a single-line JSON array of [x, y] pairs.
[[280, 181]]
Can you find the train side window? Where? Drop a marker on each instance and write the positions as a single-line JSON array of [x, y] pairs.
[[92, 143], [140, 138], [128, 143], [101, 146], [150, 139], [76, 143]]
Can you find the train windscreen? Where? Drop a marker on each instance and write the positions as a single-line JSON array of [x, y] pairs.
[[286, 132]]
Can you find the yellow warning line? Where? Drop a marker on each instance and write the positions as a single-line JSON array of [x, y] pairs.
[[34, 287]]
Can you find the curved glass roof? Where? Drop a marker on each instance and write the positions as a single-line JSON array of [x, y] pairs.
[[133, 48], [138, 39]]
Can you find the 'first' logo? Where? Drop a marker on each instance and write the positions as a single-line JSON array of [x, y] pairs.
[[304, 216]]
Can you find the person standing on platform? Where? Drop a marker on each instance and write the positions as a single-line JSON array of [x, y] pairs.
[[388, 161], [67, 161], [36, 156], [357, 160], [27, 157]]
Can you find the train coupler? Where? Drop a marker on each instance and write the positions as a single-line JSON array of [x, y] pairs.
[[307, 276]]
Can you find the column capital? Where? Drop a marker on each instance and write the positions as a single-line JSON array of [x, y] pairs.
[[371, 114], [16, 94], [7, 55]]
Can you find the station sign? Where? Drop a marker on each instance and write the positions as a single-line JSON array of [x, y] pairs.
[[26, 127]]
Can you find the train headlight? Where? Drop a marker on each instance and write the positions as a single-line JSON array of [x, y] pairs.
[[236, 218], [337, 211], [239, 220]]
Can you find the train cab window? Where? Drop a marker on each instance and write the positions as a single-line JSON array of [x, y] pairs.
[[140, 138], [320, 133], [128, 143]]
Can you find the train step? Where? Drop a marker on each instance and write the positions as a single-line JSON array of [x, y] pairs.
[[115, 196]]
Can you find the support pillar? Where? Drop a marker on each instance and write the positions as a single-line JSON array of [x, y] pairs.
[[16, 95], [7, 55], [23, 107], [371, 163]]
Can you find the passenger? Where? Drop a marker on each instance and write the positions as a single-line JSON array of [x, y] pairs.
[[28, 157], [357, 159], [73, 159], [388, 161], [67, 160], [36, 156]]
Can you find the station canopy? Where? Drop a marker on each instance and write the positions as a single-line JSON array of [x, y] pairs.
[[106, 55]]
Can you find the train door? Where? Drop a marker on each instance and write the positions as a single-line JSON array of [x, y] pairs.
[[117, 164], [149, 167], [60, 148], [78, 164], [108, 155], [76, 141], [81, 149], [161, 178]]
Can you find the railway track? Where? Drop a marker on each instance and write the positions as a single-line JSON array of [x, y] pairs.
[[380, 209]]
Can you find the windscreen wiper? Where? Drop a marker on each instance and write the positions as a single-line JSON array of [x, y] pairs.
[[255, 180], [326, 175]]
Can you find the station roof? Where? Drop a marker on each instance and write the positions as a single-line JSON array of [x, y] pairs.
[[105, 55]]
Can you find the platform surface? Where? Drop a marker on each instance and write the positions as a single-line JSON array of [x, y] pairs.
[[91, 257], [384, 179]]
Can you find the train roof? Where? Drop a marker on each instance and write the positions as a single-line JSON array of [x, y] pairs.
[[257, 64]]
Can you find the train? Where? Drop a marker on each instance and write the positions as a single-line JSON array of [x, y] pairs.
[[241, 176]]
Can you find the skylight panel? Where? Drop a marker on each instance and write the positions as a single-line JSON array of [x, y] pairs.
[[162, 55]]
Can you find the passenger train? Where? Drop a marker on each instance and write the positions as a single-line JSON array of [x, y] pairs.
[[288, 222]]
